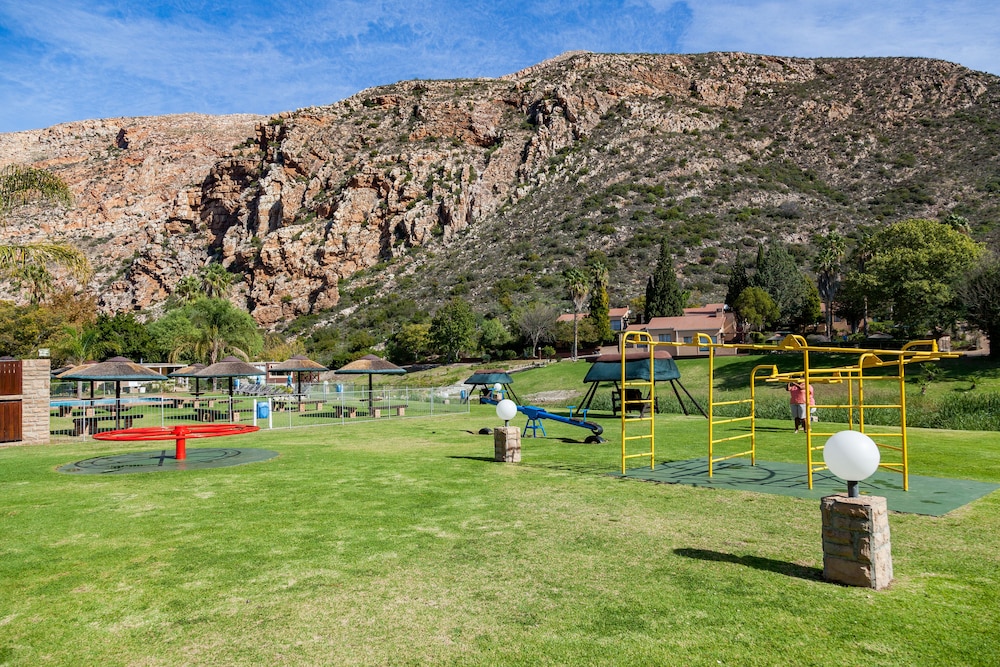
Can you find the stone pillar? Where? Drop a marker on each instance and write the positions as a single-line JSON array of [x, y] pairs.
[[35, 381], [856, 549], [507, 444]]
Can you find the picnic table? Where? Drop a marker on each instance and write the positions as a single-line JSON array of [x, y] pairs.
[[88, 425]]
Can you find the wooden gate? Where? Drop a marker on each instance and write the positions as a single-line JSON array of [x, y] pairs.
[[10, 411], [10, 421], [10, 378]]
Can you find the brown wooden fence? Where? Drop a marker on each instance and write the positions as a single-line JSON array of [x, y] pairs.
[[10, 378], [10, 421]]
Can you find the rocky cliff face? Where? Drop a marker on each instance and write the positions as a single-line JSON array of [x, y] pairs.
[[301, 202], [137, 185]]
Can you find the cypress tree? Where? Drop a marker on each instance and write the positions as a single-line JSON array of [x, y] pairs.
[[738, 280], [649, 299], [665, 298], [600, 303]]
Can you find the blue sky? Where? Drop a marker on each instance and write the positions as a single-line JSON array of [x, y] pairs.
[[63, 60]]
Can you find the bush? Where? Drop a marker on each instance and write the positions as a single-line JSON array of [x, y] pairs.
[[970, 411]]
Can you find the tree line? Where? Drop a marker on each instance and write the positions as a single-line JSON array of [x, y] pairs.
[[913, 279]]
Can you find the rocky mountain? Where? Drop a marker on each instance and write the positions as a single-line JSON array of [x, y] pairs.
[[490, 187]]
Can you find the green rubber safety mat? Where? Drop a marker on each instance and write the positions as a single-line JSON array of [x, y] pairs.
[[934, 496], [162, 460]]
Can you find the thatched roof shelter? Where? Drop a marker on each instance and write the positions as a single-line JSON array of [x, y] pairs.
[[299, 364], [370, 365], [190, 372], [115, 369], [230, 367]]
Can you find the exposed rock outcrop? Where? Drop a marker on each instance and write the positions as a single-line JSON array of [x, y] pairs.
[[301, 201]]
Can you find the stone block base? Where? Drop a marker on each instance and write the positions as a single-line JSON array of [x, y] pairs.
[[507, 444], [856, 547]]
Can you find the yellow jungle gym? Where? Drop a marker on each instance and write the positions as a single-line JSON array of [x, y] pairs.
[[893, 443]]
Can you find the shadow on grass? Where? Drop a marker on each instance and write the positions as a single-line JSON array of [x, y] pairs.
[[490, 459], [767, 429], [574, 441], [581, 468], [769, 564]]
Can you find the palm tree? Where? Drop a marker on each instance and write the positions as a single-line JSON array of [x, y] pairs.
[[218, 329], [863, 252], [20, 185], [579, 289], [78, 345], [188, 289], [828, 265], [216, 281], [34, 278]]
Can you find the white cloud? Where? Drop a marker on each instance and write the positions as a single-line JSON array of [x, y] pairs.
[[963, 31]]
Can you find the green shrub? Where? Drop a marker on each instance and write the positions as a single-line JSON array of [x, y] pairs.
[[972, 411]]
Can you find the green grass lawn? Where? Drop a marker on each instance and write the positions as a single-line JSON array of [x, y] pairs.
[[402, 542]]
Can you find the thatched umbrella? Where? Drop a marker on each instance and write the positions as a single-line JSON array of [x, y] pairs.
[[370, 365], [299, 364], [60, 372], [189, 372], [230, 367], [115, 369]]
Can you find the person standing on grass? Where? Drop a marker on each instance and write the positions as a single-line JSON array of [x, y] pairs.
[[797, 402]]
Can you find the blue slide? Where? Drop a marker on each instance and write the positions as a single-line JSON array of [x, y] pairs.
[[533, 412]]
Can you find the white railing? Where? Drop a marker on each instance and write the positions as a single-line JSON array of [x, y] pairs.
[[314, 407]]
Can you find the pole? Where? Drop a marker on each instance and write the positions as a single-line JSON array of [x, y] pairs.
[[180, 451]]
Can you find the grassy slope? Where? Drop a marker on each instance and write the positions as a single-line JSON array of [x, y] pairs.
[[402, 543]]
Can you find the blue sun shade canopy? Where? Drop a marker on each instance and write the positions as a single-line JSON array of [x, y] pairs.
[[608, 367], [490, 377]]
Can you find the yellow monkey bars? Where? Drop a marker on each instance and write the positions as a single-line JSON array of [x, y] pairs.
[[869, 361]]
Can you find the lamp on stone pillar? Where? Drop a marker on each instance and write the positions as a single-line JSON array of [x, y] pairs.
[[506, 410], [856, 545], [852, 456], [507, 440]]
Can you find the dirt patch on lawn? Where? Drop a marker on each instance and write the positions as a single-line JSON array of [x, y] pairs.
[[559, 396]]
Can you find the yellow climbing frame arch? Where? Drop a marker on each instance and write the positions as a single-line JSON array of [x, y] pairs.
[[891, 442]]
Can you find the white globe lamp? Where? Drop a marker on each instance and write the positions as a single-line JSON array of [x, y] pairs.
[[852, 456], [506, 409]]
